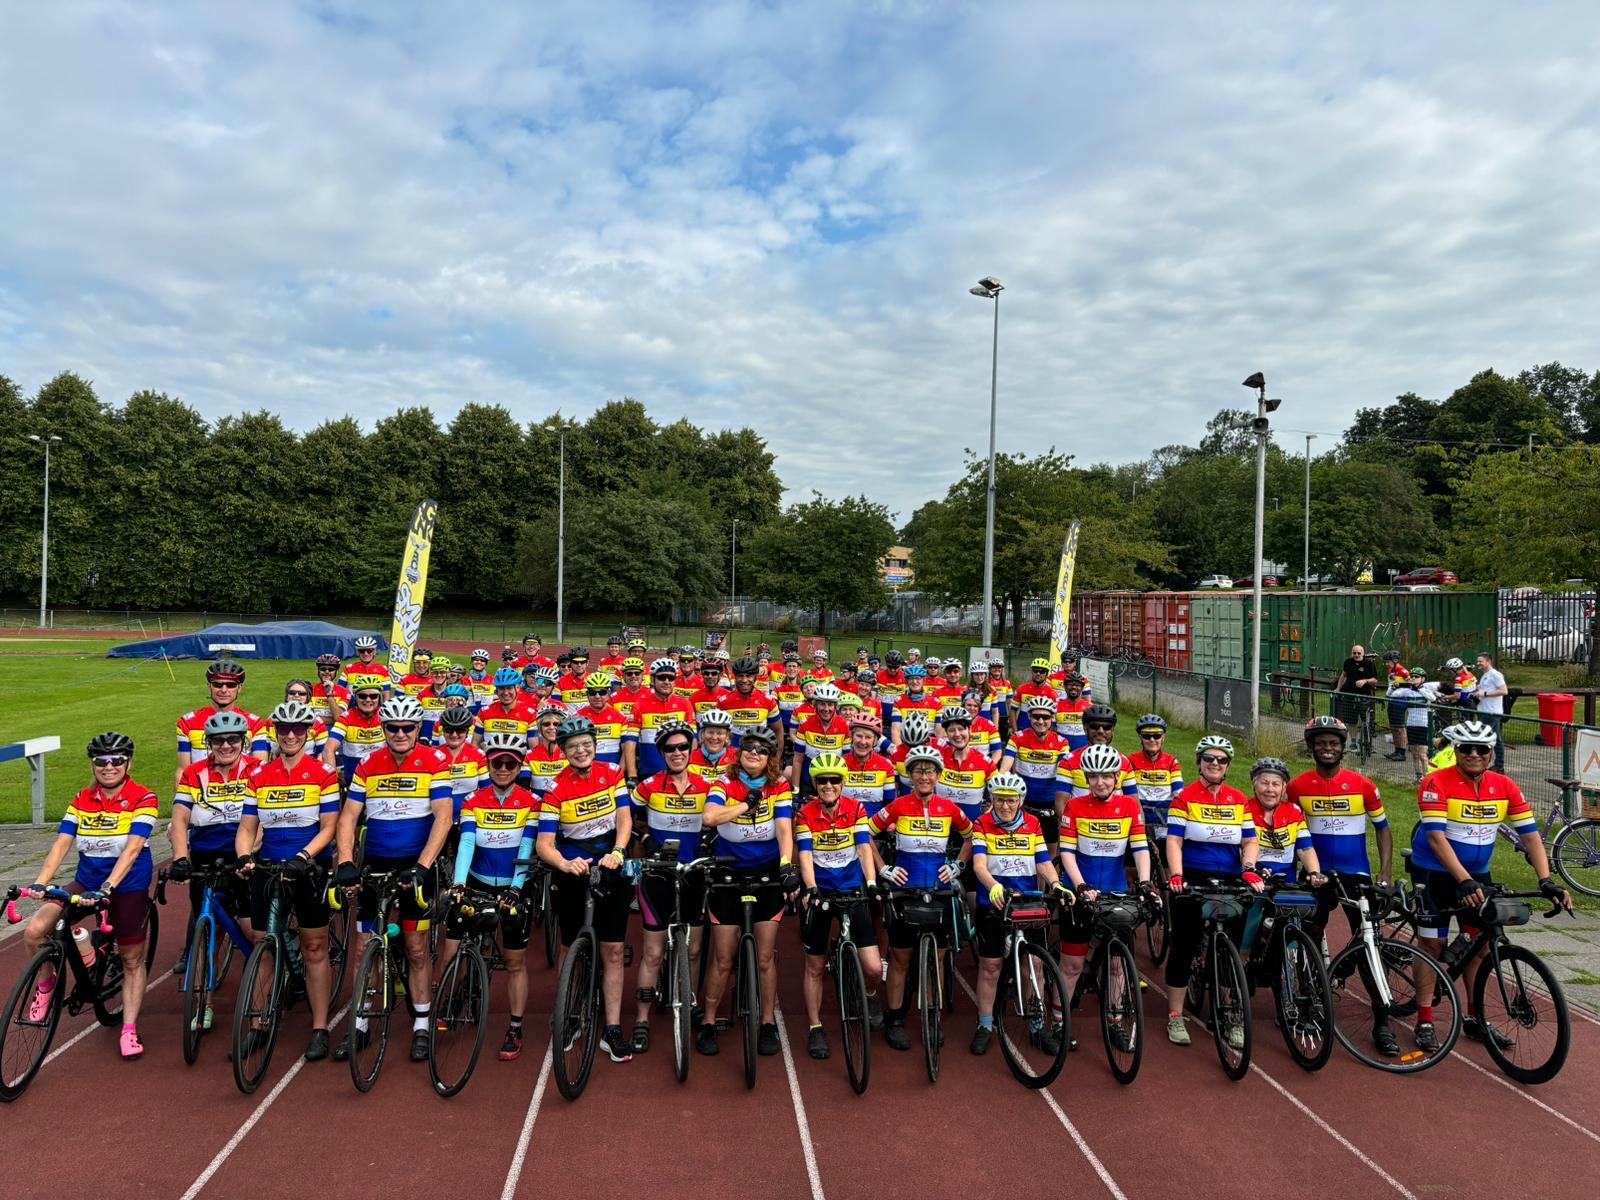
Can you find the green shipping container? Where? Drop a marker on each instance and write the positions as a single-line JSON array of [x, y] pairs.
[[1311, 633], [1217, 633]]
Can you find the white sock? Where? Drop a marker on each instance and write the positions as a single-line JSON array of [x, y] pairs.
[[420, 1021], [361, 1024]]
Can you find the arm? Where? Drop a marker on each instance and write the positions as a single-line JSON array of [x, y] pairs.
[[469, 843], [326, 824], [785, 830], [135, 847], [345, 831], [527, 850], [244, 842], [179, 831], [619, 851], [443, 811]]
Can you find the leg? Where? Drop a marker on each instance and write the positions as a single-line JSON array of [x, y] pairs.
[[133, 979], [39, 928], [816, 969], [516, 981], [654, 946], [767, 968], [611, 982], [420, 984], [988, 984], [899, 965], [319, 975], [724, 940]]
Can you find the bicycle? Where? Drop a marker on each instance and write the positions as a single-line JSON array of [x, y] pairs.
[[273, 974], [24, 1036], [461, 1004], [1288, 960], [380, 981], [1030, 1007], [1575, 846], [844, 964], [1111, 973], [673, 991], [928, 910], [1219, 993], [209, 960], [575, 1017], [542, 910], [746, 978], [1158, 914]]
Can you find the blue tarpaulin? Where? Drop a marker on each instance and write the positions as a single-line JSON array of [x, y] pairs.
[[270, 639]]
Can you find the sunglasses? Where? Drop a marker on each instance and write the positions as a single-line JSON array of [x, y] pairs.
[[1152, 737], [828, 781], [297, 694], [226, 739], [594, 692], [1213, 760], [326, 670], [410, 727], [763, 751], [296, 730], [1100, 727], [110, 760], [225, 683], [366, 650], [676, 748], [369, 695], [1474, 750], [504, 762]]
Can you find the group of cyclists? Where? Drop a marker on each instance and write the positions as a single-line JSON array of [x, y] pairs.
[[857, 779]]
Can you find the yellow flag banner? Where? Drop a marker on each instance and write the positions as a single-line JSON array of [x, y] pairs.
[[1058, 626], [413, 587]]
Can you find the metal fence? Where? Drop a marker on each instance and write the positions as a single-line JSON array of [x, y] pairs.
[[1553, 627]]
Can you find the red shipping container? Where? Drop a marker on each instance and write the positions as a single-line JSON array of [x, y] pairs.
[[1166, 629]]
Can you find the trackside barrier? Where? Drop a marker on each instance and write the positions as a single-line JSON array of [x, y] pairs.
[[33, 750]]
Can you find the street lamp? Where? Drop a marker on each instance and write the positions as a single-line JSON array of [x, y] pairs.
[[561, 542], [1262, 428], [1305, 569], [989, 288], [44, 551]]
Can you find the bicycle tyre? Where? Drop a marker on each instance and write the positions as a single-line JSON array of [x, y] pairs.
[[1577, 848], [681, 1000], [575, 1003], [749, 1005], [1121, 1012], [370, 1001], [930, 1001], [462, 1005], [855, 1035], [107, 972], [1303, 999], [1521, 1011], [1230, 1006], [221, 963], [340, 925], [197, 983], [547, 918], [21, 1058], [1019, 1028], [257, 1003], [1158, 929], [1350, 1001]]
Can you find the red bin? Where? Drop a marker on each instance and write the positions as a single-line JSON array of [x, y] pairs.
[[1555, 710]]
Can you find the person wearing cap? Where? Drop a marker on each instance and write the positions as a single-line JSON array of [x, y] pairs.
[[633, 686], [572, 688], [660, 705]]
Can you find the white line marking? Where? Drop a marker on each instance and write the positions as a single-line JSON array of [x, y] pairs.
[[806, 1148], [1061, 1116], [250, 1122], [517, 1159], [93, 1025], [1513, 1088], [1335, 1134]]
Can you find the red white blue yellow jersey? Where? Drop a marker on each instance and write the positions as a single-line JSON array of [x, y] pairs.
[[1212, 826], [581, 810], [1280, 836], [813, 738], [833, 841], [375, 674], [1099, 833], [1469, 815], [398, 796], [1069, 720], [355, 737], [495, 832], [710, 771], [1011, 856], [545, 763], [921, 834], [497, 718], [1157, 780], [752, 840], [924, 703], [670, 814], [469, 772], [789, 697], [1036, 759], [1070, 778], [324, 696], [192, 733], [1338, 811], [650, 713], [626, 700], [964, 779], [869, 781], [289, 804], [609, 727], [214, 799], [101, 826], [750, 712]]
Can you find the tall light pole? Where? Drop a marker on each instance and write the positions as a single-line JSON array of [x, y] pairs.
[[989, 288], [733, 570], [1262, 428], [561, 542], [1305, 569], [44, 551]]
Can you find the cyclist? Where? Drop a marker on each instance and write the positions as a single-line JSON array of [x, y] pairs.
[[633, 689], [711, 690], [110, 823], [825, 732], [1280, 824], [1157, 776], [917, 730], [923, 824], [1009, 854], [452, 695], [404, 792], [546, 760], [224, 678], [420, 676], [1099, 726], [820, 671], [789, 691], [662, 705], [916, 699], [1462, 808], [1466, 682], [300, 689], [366, 668], [609, 723], [329, 697], [749, 707], [712, 758], [891, 684], [1001, 694], [291, 806], [587, 819], [752, 810], [532, 653], [205, 819], [845, 678], [1399, 680], [480, 680], [1071, 709], [869, 776], [573, 687], [950, 693], [966, 768], [668, 807], [1035, 754], [511, 712], [1210, 840], [469, 767], [1038, 683], [613, 659], [985, 736], [431, 694], [835, 854]]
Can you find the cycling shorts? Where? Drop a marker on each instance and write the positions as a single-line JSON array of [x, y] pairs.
[[816, 926], [129, 914], [308, 898]]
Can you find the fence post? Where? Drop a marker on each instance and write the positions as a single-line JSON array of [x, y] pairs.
[[1569, 736]]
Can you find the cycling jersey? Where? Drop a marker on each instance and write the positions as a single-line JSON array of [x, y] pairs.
[[545, 762], [100, 826], [831, 840], [710, 771], [192, 733], [432, 705], [706, 699], [1069, 721], [1027, 691], [469, 771], [572, 691], [869, 781], [814, 738], [921, 834], [750, 712], [1070, 778], [985, 737], [923, 703], [626, 699], [496, 831], [290, 803], [612, 665], [687, 685], [649, 715], [398, 796], [1037, 756], [1156, 779], [752, 840], [609, 727], [481, 687], [1338, 811], [820, 674], [1099, 833], [1280, 835], [789, 698], [1212, 826], [354, 738], [581, 810], [324, 696], [375, 674], [497, 718], [414, 684], [964, 778], [214, 799], [670, 814], [1012, 856], [1469, 815]]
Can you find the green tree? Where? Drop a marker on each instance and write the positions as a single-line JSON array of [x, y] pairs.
[[1572, 397], [481, 503], [822, 554], [330, 518], [1361, 513]]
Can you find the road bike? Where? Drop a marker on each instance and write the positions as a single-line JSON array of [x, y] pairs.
[[380, 980], [844, 964], [460, 1015], [1111, 973], [1219, 993], [273, 976], [746, 977], [930, 910], [674, 992], [1287, 960], [211, 947]]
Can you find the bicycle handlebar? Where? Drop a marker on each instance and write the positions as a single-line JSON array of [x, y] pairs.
[[58, 896]]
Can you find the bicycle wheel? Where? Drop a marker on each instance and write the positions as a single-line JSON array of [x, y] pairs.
[[256, 1012], [107, 973], [370, 1004], [1352, 985], [340, 926], [1230, 1007], [1025, 1012], [854, 1034], [573, 1016], [221, 962], [1303, 1000], [1520, 1000], [197, 987], [459, 1021], [23, 1040], [1575, 853], [748, 1005], [930, 1001], [1121, 1013], [680, 999], [1158, 929]]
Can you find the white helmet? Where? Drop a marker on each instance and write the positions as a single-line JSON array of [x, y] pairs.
[[1042, 704], [1101, 760], [293, 712], [916, 728], [925, 754], [1007, 783], [1453, 664], [716, 718], [1471, 733], [664, 666], [824, 692], [1213, 741], [504, 742], [366, 642], [400, 708]]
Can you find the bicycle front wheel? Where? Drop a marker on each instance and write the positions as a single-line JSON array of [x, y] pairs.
[[370, 1003], [256, 1012], [1230, 1007], [1031, 1014], [340, 925], [573, 1017], [854, 1033], [1524, 1016], [1575, 853], [1303, 1000], [108, 972], [197, 988], [1158, 929], [749, 1005], [25, 1037], [1121, 1013], [1364, 999], [680, 1000], [459, 1020], [547, 918]]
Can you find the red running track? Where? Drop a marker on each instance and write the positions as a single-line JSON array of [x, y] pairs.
[[1458, 1130]]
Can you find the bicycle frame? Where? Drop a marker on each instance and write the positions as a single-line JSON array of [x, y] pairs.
[[72, 911], [210, 907], [1018, 927]]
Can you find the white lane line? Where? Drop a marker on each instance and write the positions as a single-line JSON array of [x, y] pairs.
[[517, 1159], [93, 1025], [806, 1147], [1335, 1135], [250, 1122], [1061, 1116], [1534, 1100]]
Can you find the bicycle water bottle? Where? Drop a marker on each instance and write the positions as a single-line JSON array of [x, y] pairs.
[[1457, 949], [82, 939]]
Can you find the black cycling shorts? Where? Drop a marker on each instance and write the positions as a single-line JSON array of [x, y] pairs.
[[728, 909], [514, 929], [655, 900], [610, 905], [308, 898], [816, 925], [412, 915]]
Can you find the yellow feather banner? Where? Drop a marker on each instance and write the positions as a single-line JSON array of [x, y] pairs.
[[413, 587], [1058, 625]]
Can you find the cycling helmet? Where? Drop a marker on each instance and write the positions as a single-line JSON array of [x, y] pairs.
[[914, 652], [400, 708], [508, 677], [789, 645], [979, 670], [712, 666], [110, 742], [668, 728], [916, 728], [573, 727], [1453, 664], [828, 763], [546, 674], [1006, 783], [867, 718], [1151, 723], [479, 654], [894, 658], [1100, 760], [1470, 733], [849, 700], [1213, 741], [1042, 704], [553, 708], [1073, 677], [954, 714], [1100, 714], [227, 721], [744, 665], [614, 640], [442, 662], [933, 662], [916, 671], [637, 643], [1326, 724], [761, 735], [290, 712], [663, 666], [824, 693], [328, 660], [633, 663], [579, 654], [867, 676], [422, 652], [819, 655], [1391, 656], [924, 754], [1039, 664], [596, 680], [713, 718], [1270, 766], [455, 690], [457, 719], [225, 670], [366, 642], [972, 694], [504, 742], [791, 657]]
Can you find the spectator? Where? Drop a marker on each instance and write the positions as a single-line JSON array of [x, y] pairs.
[[1447, 705], [1412, 694], [1492, 692], [1357, 684]]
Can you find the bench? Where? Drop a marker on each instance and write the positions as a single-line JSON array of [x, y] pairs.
[[34, 750]]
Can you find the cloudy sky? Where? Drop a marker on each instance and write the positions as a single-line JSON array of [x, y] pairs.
[[770, 213]]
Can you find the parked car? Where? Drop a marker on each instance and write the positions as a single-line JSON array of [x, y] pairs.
[[1416, 587], [1428, 575], [1214, 581], [1544, 641], [1249, 581]]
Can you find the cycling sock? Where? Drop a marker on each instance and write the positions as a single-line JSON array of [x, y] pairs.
[[1471, 1012], [1425, 1013], [127, 1027], [48, 986], [818, 1025], [361, 1024], [986, 1021], [420, 1021], [1055, 1013], [516, 1024]]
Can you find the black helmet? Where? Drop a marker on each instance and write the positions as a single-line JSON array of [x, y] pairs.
[[894, 659], [572, 727], [456, 718], [110, 742], [744, 665], [579, 654], [762, 735], [791, 644], [329, 660], [225, 669], [1100, 714], [1326, 724]]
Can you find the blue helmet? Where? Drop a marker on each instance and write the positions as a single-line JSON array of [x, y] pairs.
[[508, 677], [916, 671], [456, 689]]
